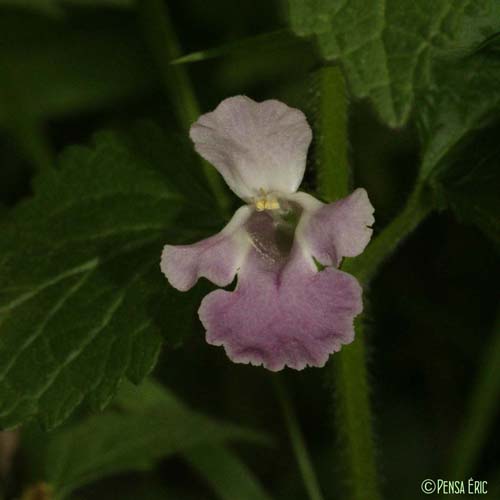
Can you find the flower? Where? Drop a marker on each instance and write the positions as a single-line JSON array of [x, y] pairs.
[[286, 310]]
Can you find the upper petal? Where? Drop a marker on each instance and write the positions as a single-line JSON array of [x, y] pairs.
[[217, 258], [340, 229], [254, 145]]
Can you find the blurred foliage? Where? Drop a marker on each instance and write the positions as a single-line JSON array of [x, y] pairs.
[[52, 67], [83, 305], [156, 425]]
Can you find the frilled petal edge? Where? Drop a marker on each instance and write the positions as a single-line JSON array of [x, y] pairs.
[[291, 316], [217, 258]]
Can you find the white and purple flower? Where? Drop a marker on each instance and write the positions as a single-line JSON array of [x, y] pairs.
[[284, 311]]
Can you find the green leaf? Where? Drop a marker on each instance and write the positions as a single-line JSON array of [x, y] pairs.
[[222, 469], [149, 397], [229, 477], [268, 42], [115, 442], [388, 47], [82, 299], [461, 100], [469, 184]]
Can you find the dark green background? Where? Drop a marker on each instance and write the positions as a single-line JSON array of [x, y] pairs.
[[430, 312]]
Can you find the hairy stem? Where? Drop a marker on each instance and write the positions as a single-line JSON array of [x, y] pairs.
[[333, 173], [481, 410], [297, 439], [353, 392], [353, 410], [348, 371], [165, 48]]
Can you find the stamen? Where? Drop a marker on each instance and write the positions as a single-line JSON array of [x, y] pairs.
[[260, 205], [266, 202], [271, 204]]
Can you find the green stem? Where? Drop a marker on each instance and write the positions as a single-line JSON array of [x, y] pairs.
[[333, 173], [297, 439], [349, 372], [481, 410], [353, 395], [165, 48], [353, 411]]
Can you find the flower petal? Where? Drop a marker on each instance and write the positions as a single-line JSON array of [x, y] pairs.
[[339, 229], [254, 145], [280, 316], [217, 258]]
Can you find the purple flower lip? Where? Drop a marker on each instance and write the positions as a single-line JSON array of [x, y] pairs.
[[283, 311]]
